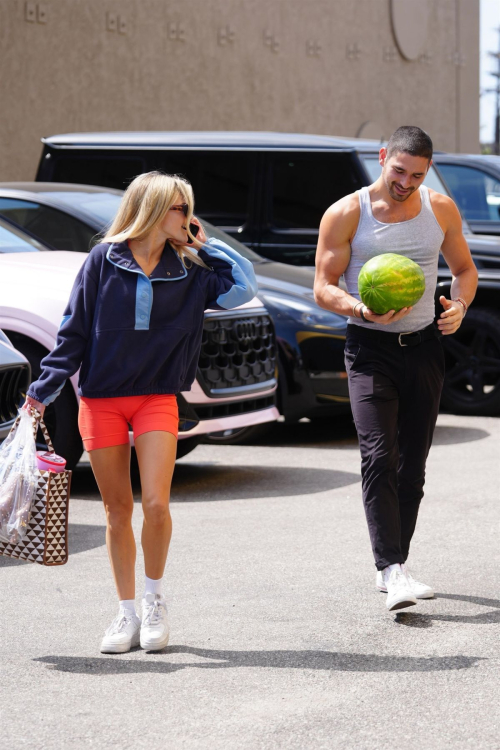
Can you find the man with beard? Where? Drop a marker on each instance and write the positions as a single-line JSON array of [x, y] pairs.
[[395, 362]]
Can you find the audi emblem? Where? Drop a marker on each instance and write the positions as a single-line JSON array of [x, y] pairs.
[[244, 330]]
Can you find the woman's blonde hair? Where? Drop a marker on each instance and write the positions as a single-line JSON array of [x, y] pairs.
[[145, 203]]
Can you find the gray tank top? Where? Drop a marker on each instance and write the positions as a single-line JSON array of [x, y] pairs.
[[419, 238]]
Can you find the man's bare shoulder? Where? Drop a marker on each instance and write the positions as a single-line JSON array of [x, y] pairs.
[[340, 221], [345, 210], [444, 207], [442, 201]]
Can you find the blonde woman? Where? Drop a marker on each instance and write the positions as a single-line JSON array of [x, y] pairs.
[[133, 325]]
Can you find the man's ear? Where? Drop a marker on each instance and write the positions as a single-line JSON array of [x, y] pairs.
[[382, 156]]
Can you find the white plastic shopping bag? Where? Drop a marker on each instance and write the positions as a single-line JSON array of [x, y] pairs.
[[18, 479]]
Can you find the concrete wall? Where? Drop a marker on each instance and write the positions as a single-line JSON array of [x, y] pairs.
[[318, 66]]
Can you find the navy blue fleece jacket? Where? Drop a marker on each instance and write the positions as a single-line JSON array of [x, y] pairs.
[[134, 335]]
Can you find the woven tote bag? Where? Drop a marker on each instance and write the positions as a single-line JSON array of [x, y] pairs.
[[46, 540]]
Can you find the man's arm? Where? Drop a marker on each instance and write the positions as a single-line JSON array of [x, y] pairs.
[[333, 253], [337, 229], [459, 260]]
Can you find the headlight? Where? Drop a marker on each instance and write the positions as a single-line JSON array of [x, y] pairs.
[[306, 313]]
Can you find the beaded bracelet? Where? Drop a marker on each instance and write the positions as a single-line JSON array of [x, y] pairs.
[[463, 303]]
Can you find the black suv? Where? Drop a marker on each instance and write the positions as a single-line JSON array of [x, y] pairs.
[[269, 191]]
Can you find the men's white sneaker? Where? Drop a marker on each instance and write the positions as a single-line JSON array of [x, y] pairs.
[[155, 628], [397, 586], [421, 590], [122, 634]]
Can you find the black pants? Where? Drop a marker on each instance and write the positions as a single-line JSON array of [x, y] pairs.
[[394, 392]]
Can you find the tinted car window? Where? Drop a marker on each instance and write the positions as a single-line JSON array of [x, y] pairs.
[[12, 241], [56, 228], [476, 192], [114, 170], [305, 184], [220, 180]]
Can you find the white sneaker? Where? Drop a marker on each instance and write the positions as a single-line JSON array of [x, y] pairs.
[[122, 634], [155, 628], [421, 590], [397, 586]]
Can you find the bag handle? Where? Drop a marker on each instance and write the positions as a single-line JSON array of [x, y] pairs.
[[36, 419]]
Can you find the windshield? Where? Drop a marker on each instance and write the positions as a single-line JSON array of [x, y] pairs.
[[13, 241], [240, 248], [102, 207]]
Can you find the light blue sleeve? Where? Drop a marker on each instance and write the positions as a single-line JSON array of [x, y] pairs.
[[233, 281]]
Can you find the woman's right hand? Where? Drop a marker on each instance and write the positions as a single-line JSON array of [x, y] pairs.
[[32, 403], [201, 237]]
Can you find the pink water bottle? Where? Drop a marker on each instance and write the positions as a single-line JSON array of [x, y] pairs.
[[48, 461]]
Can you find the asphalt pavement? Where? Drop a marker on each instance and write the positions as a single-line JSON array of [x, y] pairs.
[[279, 637]]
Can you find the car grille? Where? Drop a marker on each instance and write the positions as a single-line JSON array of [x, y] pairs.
[[232, 408], [237, 354], [14, 381]]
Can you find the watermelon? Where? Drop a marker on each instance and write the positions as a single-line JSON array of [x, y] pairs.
[[390, 282]]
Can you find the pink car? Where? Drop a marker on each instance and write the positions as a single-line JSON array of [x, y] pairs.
[[236, 378]]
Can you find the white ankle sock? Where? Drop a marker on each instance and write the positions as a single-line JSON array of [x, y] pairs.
[[128, 605], [153, 586]]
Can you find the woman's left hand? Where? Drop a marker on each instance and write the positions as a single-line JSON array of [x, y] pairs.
[[32, 403]]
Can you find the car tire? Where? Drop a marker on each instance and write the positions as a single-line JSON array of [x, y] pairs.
[[239, 435], [61, 417], [186, 446], [472, 360]]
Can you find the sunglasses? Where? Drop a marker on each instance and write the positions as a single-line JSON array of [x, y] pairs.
[[182, 207]]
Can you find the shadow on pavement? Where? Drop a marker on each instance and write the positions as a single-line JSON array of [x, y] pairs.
[[324, 432], [324, 660], [446, 435], [339, 432], [205, 481], [81, 537], [202, 482], [419, 620]]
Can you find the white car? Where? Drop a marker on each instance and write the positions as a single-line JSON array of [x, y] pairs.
[[14, 382], [236, 378]]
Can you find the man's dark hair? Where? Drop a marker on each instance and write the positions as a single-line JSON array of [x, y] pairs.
[[409, 139]]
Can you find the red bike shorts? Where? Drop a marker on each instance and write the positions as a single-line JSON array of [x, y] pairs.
[[104, 422]]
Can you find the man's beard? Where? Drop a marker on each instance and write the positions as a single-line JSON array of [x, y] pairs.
[[395, 195]]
